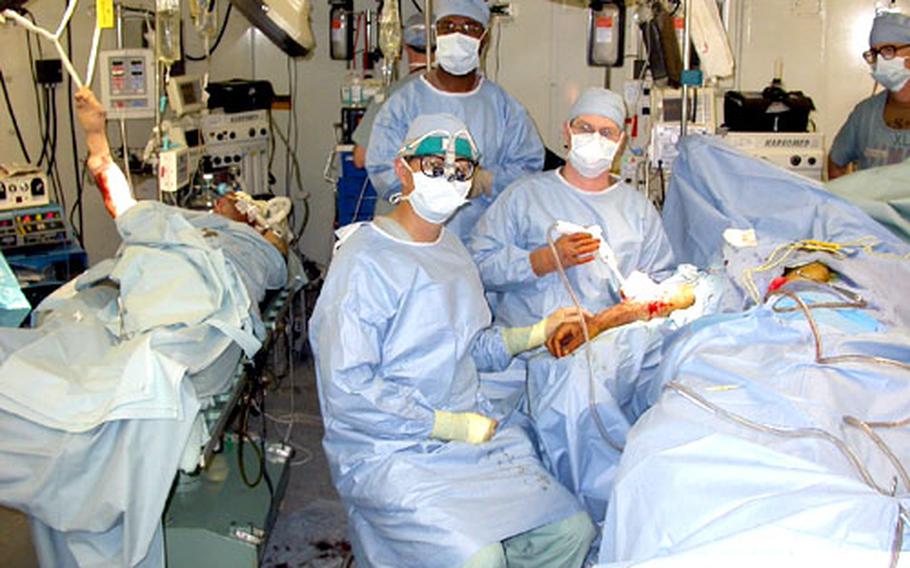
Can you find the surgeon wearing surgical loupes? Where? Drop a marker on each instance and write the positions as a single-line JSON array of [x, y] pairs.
[[604, 230], [428, 475]]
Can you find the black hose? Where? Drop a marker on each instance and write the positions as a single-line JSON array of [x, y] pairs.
[[46, 135], [76, 162]]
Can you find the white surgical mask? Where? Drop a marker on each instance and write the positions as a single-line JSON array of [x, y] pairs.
[[891, 73], [435, 199], [592, 154], [457, 53]]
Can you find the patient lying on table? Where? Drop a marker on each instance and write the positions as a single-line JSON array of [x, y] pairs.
[[115, 190], [105, 389]]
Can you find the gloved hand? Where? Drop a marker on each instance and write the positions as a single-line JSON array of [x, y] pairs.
[[565, 315], [570, 336], [481, 183], [521, 339], [467, 427], [574, 249]]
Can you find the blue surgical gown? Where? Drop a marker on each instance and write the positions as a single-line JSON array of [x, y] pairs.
[[509, 144], [399, 330], [867, 140], [518, 222]]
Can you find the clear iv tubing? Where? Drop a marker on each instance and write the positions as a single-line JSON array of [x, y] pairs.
[[865, 427], [589, 354], [820, 357], [897, 541], [54, 38], [698, 400]]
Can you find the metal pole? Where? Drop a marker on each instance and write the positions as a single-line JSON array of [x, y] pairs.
[[126, 151], [687, 39], [427, 16]]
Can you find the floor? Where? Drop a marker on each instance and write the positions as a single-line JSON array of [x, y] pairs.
[[310, 531], [311, 528]]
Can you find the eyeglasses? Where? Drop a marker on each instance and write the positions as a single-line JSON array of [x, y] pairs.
[[435, 166], [887, 52], [582, 127], [473, 29]]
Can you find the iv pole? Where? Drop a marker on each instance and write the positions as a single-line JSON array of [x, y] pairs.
[[687, 49]]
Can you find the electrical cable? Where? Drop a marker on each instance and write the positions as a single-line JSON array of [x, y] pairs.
[[54, 39], [55, 164], [298, 178], [12, 116], [262, 438], [50, 105], [75, 148], [290, 126], [35, 86], [45, 125], [218, 38], [242, 435]]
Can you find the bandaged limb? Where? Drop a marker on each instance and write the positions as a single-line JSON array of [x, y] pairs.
[[570, 336], [521, 339], [467, 427], [115, 190]]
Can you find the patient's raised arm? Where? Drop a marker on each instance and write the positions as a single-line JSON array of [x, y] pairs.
[[110, 179]]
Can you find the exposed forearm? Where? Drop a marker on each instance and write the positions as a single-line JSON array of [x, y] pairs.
[[98, 146], [618, 315]]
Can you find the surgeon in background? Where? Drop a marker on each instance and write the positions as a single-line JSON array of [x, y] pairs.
[[428, 475], [509, 144], [414, 37], [518, 268], [877, 132]]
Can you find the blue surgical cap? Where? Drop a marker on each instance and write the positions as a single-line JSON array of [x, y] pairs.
[[600, 102], [415, 32], [890, 27], [430, 133], [477, 10]]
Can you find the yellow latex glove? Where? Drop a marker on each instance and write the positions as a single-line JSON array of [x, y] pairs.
[[467, 427], [521, 339]]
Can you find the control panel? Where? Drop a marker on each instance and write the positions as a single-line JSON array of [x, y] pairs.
[[22, 187], [239, 141], [250, 126], [33, 227], [799, 152], [128, 83]]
